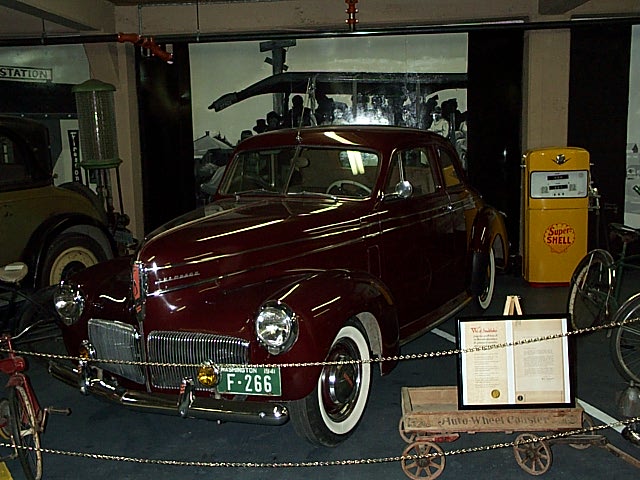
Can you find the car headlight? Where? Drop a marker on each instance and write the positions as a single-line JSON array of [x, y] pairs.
[[276, 328], [68, 302]]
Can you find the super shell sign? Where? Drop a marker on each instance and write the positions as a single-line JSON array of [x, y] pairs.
[[559, 237]]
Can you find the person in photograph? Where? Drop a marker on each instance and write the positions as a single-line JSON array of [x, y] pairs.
[[440, 125], [299, 115], [273, 121]]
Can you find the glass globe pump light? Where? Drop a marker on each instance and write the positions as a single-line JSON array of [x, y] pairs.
[[97, 124], [99, 142]]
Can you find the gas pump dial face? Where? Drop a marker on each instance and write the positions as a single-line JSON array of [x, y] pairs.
[[567, 184]]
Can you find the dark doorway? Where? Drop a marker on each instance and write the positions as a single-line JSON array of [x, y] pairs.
[[598, 110], [166, 136], [494, 101]]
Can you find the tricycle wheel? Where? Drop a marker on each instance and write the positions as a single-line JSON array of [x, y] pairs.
[[5, 418], [25, 433], [407, 437], [430, 463], [533, 455]]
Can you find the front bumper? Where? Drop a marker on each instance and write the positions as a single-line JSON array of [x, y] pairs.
[[185, 405]]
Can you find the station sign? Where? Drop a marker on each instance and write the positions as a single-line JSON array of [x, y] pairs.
[[26, 74]]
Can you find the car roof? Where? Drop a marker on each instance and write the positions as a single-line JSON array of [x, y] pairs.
[[380, 138]]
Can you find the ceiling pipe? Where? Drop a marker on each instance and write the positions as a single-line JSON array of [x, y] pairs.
[[146, 43], [512, 24]]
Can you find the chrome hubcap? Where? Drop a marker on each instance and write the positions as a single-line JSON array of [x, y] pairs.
[[341, 383]]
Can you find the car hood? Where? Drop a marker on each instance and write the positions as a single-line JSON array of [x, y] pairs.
[[231, 236]]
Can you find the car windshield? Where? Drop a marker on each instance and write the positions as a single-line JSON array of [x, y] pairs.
[[303, 171]]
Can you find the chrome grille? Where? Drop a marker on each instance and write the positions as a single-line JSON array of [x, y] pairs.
[[192, 348], [117, 341]]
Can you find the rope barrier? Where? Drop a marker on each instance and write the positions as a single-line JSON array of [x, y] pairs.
[[394, 358], [323, 463], [344, 462]]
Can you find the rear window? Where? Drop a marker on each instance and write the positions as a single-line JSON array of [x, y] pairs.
[[13, 171]]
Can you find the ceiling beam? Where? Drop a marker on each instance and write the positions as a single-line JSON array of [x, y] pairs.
[[81, 15], [558, 7]]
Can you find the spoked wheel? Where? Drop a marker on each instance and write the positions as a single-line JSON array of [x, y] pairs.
[[24, 430], [625, 341], [591, 291], [36, 328], [533, 456], [430, 463]]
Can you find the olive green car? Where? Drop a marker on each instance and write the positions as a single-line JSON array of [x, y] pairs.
[[54, 230]]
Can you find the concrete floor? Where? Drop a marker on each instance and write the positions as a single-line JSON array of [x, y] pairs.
[[99, 428]]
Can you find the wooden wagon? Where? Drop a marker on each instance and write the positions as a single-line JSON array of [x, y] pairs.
[[430, 415]]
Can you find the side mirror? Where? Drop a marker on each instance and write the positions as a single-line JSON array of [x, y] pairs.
[[404, 189], [301, 162]]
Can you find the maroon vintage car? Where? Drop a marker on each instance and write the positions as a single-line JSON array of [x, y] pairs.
[[330, 246]]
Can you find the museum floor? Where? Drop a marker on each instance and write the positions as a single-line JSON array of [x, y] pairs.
[[141, 446]]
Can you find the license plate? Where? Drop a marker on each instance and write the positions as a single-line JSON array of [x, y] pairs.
[[250, 380]]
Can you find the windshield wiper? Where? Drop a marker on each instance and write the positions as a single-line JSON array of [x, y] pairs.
[[313, 194], [257, 190]]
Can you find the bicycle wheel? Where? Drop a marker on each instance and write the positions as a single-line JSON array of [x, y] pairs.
[[590, 296], [24, 430], [625, 341]]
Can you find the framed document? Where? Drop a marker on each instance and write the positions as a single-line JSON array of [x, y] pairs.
[[526, 369]]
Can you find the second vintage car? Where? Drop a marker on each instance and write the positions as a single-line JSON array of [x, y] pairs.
[[324, 250]]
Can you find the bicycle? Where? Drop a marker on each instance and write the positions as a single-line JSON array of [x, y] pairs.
[[28, 316], [22, 419], [595, 297]]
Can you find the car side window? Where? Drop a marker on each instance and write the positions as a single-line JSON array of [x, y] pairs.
[[415, 166], [13, 170], [449, 172]]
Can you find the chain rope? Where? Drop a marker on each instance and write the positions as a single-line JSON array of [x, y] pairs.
[[329, 463], [345, 462], [394, 358]]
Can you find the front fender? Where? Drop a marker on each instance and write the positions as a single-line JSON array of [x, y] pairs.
[[323, 303]]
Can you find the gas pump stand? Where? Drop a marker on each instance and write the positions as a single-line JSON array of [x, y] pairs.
[[556, 204]]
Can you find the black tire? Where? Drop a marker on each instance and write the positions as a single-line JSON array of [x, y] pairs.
[[5, 419], [625, 341], [331, 413], [70, 253], [591, 293], [24, 430]]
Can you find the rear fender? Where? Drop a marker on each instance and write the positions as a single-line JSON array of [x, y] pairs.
[[325, 301], [488, 231]]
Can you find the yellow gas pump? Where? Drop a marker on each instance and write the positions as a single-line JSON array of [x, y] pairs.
[[556, 205]]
